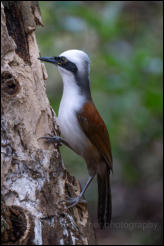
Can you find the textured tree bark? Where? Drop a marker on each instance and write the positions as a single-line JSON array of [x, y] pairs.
[[35, 182]]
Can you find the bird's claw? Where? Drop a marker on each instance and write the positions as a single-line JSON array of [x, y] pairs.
[[73, 201], [52, 139]]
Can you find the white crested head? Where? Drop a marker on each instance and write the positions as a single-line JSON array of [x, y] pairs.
[[77, 57], [74, 68]]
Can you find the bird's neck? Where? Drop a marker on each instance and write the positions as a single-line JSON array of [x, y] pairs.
[[76, 89]]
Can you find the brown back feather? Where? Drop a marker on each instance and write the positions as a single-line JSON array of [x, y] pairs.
[[95, 129]]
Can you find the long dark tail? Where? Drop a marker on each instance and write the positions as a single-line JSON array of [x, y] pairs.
[[104, 199]]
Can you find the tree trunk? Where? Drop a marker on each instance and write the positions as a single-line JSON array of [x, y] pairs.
[[35, 182]]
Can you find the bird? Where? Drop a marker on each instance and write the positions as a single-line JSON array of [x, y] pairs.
[[83, 129]]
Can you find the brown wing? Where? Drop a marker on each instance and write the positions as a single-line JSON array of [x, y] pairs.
[[95, 129]]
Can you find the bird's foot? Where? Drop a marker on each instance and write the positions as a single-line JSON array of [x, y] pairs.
[[73, 201], [53, 139]]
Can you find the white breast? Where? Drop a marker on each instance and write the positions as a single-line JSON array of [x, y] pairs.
[[72, 101]]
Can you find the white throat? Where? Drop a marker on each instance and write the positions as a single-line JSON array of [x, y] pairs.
[[72, 102], [72, 99]]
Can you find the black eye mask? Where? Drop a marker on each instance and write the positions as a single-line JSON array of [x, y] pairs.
[[66, 64], [61, 61]]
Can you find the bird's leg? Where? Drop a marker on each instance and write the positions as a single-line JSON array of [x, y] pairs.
[[57, 140], [72, 201]]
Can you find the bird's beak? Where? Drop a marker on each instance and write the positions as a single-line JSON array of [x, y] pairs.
[[54, 59]]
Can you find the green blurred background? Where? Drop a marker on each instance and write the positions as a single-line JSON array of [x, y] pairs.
[[124, 42]]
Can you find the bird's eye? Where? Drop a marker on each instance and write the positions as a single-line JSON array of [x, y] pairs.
[[63, 59]]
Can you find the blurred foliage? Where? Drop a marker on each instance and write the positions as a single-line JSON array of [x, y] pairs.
[[124, 42]]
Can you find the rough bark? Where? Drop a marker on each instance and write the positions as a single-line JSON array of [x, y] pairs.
[[34, 179]]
